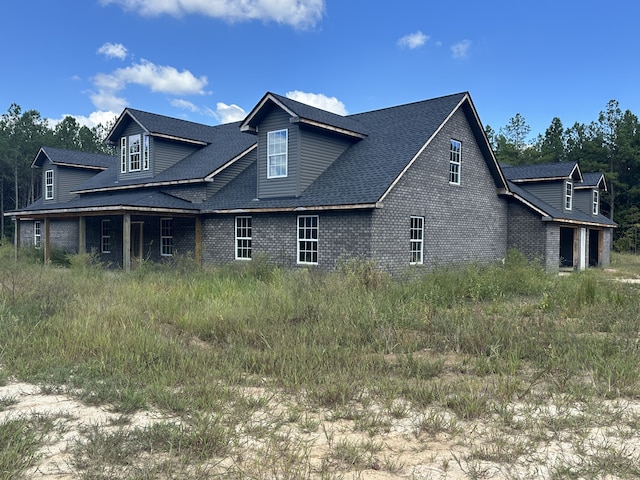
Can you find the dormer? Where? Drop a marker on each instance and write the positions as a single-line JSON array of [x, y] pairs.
[[553, 183], [149, 143], [588, 193], [63, 170], [296, 143]]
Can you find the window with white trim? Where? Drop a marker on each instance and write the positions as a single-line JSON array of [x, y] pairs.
[[568, 195], [105, 236], [277, 154], [596, 202], [308, 239], [455, 156], [48, 185], [145, 152], [243, 238], [37, 234], [135, 153], [416, 235], [123, 154], [166, 237]]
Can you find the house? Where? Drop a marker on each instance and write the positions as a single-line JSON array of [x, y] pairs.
[[414, 184], [556, 216]]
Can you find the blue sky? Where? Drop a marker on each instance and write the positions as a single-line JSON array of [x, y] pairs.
[[211, 61]]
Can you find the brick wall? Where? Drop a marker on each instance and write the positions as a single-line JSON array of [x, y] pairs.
[[462, 223]]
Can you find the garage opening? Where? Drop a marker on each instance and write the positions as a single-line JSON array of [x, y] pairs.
[[595, 242], [566, 246]]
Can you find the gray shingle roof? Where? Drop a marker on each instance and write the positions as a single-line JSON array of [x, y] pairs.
[[539, 171], [557, 214], [592, 180], [365, 171], [74, 158]]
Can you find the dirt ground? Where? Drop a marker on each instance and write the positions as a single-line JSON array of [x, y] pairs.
[[542, 441]]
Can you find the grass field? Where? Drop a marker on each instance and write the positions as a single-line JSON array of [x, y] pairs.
[[252, 371]]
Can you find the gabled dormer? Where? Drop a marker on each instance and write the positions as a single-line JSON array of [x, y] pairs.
[[149, 143], [296, 143], [62, 170], [588, 193], [553, 183]]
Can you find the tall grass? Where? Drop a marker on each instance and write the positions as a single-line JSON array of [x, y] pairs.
[[180, 338]]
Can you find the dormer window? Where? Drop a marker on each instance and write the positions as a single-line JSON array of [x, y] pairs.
[[277, 154], [568, 195], [134, 153], [596, 202], [48, 185]]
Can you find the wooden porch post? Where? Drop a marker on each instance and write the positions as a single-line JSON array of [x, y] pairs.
[[47, 244], [82, 235], [198, 241], [16, 237], [126, 242]]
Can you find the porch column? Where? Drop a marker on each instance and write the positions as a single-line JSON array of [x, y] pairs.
[[16, 237], [582, 249], [82, 235], [198, 251], [126, 242], [47, 245]]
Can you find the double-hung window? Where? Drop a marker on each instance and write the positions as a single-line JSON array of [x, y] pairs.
[[37, 234], [308, 239], [416, 235], [48, 185], [277, 154], [243, 238], [455, 154], [596, 202], [123, 154], [166, 237], [135, 153], [105, 242], [568, 195], [145, 152]]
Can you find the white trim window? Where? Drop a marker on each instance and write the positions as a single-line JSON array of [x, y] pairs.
[[455, 160], [568, 195], [596, 202], [145, 152], [416, 235], [37, 234], [48, 185], [277, 154], [308, 239], [105, 236], [166, 237], [123, 154], [243, 238], [135, 153]]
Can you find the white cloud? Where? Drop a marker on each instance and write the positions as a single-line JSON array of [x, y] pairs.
[[162, 79], [94, 119], [229, 113], [461, 49], [319, 100], [113, 50], [184, 105], [413, 40], [297, 13]]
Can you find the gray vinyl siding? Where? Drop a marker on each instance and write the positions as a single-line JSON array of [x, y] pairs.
[[549, 192], [165, 154], [583, 200], [462, 223], [231, 172], [278, 187], [68, 179], [317, 152]]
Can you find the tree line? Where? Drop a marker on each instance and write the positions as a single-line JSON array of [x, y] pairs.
[[610, 144]]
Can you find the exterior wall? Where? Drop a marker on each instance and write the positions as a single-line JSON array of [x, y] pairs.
[[231, 172], [462, 223], [93, 226], [165, 154], [47, 165], [537, 240], [341, 236], [549, 192], [583, 200], [317, 152], [287, 186], [63, 234]]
